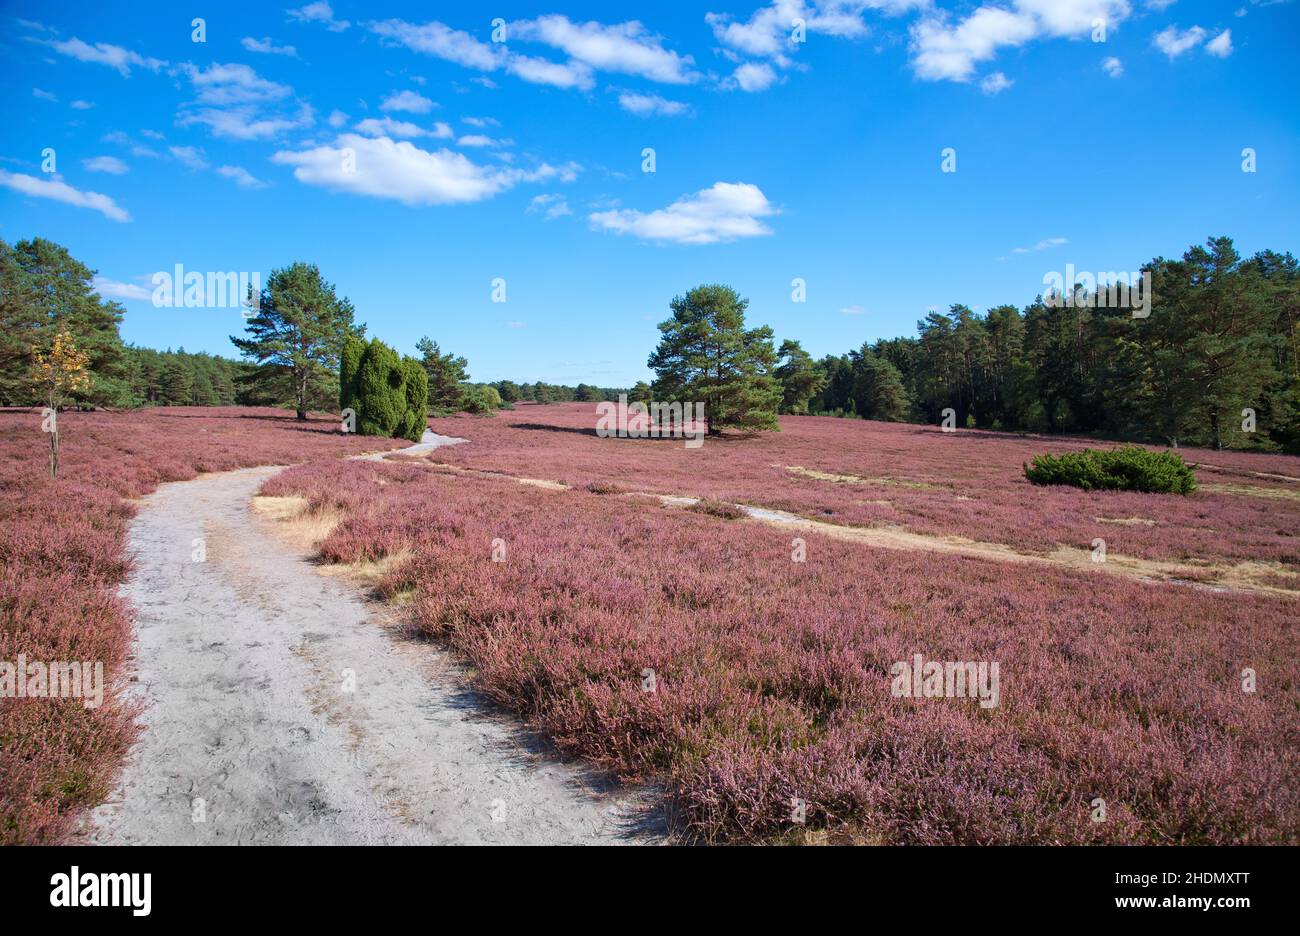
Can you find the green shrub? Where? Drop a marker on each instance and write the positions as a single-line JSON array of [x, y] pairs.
[[1127, 468], [349, 363], [388, 392]]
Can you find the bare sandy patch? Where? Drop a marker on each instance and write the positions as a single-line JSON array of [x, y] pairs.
[[1249, 490], [858, 479], [1126, 521]]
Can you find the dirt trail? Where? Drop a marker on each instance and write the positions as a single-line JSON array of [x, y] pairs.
[[245, 660]]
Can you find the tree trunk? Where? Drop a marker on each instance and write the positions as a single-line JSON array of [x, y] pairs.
[[54, 454]]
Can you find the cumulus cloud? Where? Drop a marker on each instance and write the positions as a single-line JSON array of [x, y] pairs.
[[411, 102], [57, 190], [626, 48], [995, 83], [110, 164], [387, 126], [1220, 45], [320, 12], [234, 101], [43, 95], [1173, 41], [946, 51], [384, 168], [768, 33], [724, 212], [754, 76], [1113, 66], [648, 105]]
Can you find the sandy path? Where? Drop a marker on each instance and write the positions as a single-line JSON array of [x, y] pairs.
[[244, 660]]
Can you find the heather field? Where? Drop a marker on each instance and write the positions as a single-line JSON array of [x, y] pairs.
[[689, 648], [62, 559], [689, 651], [966, 484]]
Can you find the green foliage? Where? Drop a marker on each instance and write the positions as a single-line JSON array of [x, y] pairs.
[[349, 364], [800, 377], [707, 355], [299, 330], [480, 399], [445, 372], [44, 290], [1127, 468], [388, 393], [1222, 336]]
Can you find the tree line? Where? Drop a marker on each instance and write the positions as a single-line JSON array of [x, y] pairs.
[[1214, 361], [291, 347]]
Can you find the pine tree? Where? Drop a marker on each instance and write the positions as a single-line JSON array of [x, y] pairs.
[[706, 355], [298, 333]]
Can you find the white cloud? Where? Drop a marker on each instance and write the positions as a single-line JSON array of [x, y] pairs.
[[113, 289], [233, 101], [221, 85], [81, 105], [1113, 66], [320, 12], [441, 41], [627, 48], [942, 51], [995, 83], [137, 149], [57, 190], [768, 33], [104, 54], [1220, 45], [337, 119], [242, 177], [477, 140], [535, 70], [387, 126], [1173, 41], [409, 101], [724, 212], [384, 168], [44, 95], [481, 121], [754, 76], [266, 45], [853, 310], [1045, 244], [189, 156], [110, 164], [554, 206], [646, 105]]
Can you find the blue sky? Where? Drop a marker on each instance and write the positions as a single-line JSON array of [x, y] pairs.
[[472, 159]]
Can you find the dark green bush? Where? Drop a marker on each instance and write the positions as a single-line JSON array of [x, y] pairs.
[[389, 393], [1127, 468]]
